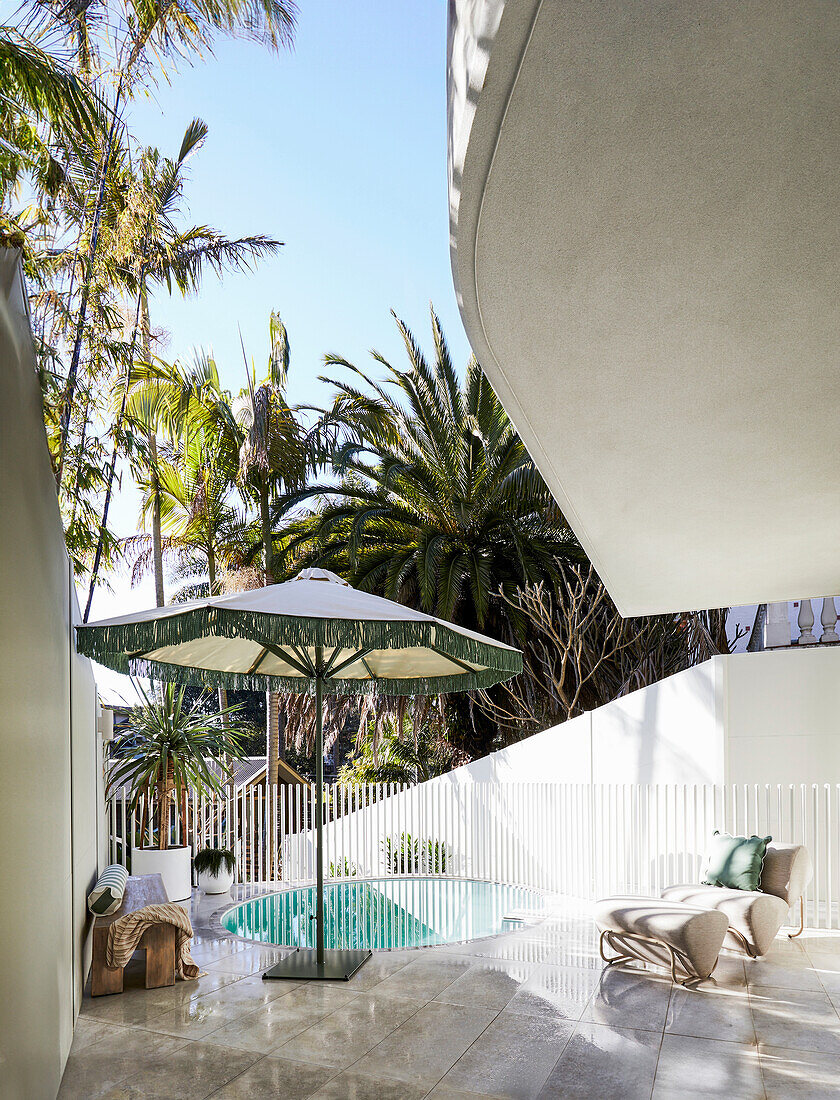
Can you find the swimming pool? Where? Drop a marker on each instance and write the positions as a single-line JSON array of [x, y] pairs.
[[387, 913]]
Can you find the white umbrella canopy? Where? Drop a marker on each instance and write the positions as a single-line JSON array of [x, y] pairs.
[[317, 633], [267, 640]]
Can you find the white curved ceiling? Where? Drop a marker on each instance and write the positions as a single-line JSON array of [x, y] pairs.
[[646, 248]]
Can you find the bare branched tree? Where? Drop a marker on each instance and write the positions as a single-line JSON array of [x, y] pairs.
[[579, 653]]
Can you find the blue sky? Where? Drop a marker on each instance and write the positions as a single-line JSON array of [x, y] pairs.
[[339, 150]]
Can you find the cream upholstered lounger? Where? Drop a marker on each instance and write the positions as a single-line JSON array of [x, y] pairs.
[[755, 916], [665, 932]]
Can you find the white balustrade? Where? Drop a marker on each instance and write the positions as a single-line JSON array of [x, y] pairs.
[[777, 629], [828, 619], [806, 623]]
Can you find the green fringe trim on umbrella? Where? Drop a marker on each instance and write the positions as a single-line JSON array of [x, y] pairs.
[[236, 681], [102, 643]]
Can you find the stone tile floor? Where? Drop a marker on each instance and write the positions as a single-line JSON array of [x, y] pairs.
[[527, 1014]]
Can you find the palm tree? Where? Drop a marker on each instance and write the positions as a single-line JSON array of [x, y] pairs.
[[167, 751], [440, 505], [149, 38], [154, 250], [274, 456], [274, 459], [202, 531], [41, 96], [169, 255], [38, 84], [258, 435]]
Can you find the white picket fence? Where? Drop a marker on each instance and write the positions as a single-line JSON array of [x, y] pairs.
[[579, 840]]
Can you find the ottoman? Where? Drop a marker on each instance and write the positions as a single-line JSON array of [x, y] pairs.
[[661, 931]]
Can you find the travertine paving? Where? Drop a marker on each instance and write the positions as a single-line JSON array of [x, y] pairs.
[[528, 1014]]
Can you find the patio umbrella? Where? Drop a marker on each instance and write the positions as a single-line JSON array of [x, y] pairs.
[[315, 633]]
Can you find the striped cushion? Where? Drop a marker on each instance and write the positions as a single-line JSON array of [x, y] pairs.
[[106, 896]]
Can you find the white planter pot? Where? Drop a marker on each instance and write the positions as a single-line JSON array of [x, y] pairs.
[[215, 884], [174, 865]]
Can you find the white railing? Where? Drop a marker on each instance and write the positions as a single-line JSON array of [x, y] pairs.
[[778, 628], [579, 840]]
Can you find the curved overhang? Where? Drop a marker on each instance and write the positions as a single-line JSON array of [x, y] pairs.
[[645, 228]]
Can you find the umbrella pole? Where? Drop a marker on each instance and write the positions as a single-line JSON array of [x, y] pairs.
[[304, 964], [319, 805]]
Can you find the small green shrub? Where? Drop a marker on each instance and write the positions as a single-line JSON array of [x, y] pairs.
[[344, 869], [213, 861], [406, 855]]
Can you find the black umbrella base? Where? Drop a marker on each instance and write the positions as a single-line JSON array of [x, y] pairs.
[[302, 965]]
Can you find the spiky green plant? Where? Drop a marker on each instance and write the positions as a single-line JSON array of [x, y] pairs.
[[167, 752]]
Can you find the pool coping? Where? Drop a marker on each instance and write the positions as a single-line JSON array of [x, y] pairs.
[[214, 920]]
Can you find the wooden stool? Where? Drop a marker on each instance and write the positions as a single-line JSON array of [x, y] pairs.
[[159, 941]]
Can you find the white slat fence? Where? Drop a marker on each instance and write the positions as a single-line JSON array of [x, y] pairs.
[[580, 840]]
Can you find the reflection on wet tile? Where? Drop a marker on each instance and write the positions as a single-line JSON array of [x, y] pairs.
[[379, 967], [711, 1014], [522, 1014], [273, 1024], [248, 961], [518, 948], [353, 1085], [193, 1020], [424, 978], [790, 974], [251, 991], [690, 1067], [211, 950], [272, 1076], [827, 968], [488, 984], [108, 1062], [88, 1031], [558, 991], [512, 1058], [605, 1062], [795, 1018], [625, 996], [192, 1072], [807, 1075], [341, 1038], [422, 1049]]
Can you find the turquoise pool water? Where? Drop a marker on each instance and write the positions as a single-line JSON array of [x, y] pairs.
[[387, 913]]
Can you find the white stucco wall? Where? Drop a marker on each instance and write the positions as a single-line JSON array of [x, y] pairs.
[[670, 732], [783, 716], [645, 234], [771, 717], [50, 776]]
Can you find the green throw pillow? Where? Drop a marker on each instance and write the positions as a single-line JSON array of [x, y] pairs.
[[736, 861]]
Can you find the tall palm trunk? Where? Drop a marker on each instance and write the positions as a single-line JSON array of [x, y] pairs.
[[265, 524], [157, 539], [90, 260], [112, 468], [272, 698], [272, 734], [211, 567], [213, 588]]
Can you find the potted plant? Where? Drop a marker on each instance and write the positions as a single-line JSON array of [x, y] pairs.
[[164, 756], [214, 867]]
